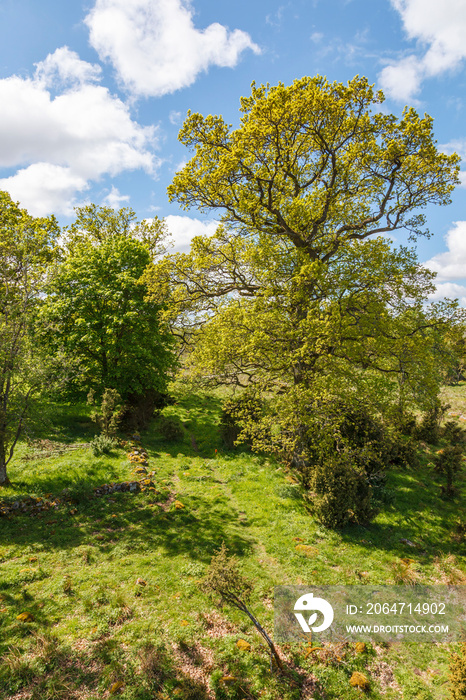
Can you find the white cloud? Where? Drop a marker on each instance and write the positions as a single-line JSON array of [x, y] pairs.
[[115, 200], [62, 142], [276, 18], [457, 146], [66, 66], [402, 80], [184, 228], [44, 188], [451, 265], [155, 47], [449, 290], [174, 117], [441, 27]]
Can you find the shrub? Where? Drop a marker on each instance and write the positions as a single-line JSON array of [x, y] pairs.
[[403, 451], [340, 494], [402, 421], [102, 445], [458, 674], [141, 408], [453, 433], [449, 462], [429, 427], [171, 429], [225, 579], [340, 457], [109, 417], [351, 427], [238, 417]]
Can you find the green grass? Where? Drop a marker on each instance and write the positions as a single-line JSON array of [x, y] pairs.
[[76, 568]]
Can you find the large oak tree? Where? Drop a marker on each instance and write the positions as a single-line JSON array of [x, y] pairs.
[[298, 294], [298, 286]]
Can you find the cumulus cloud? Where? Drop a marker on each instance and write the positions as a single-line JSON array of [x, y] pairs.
[[115, 200], [175, 117], [66, 66], [441, 28], [449, 290], [61, 141], [451, 265], [45, 188], [184, 228], [155, 47]]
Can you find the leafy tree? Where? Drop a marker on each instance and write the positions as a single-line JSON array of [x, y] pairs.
[[26, 248], [297, 291], [96, 308]]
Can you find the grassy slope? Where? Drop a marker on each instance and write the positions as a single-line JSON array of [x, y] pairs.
[[76, 570]]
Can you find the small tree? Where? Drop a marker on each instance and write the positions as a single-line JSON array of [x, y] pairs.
[[27, 245], [225, 579]]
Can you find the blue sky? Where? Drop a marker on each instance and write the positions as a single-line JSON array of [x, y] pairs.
[[92, 94]]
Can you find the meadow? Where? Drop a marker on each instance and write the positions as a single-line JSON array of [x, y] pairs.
[[101, 590]]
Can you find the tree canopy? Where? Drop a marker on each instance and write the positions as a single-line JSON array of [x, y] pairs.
[[314, 166], [96, 309], [298, 286]]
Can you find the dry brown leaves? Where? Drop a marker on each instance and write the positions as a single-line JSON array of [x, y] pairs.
[[195, 662], [216, 625]]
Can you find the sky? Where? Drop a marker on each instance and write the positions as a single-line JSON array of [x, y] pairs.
[[93, 93]]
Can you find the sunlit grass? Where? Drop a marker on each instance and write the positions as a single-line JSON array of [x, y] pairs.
[[112, 583]]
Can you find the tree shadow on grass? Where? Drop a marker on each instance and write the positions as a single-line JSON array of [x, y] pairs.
[[64, 422], [124, 519], [420, 523], [199, 415], [51, 670]]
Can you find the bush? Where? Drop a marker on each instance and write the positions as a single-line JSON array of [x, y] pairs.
[[453, 433], [171, 429], [109, 417], [102, 445], [403, 451], [429, 427], [238, 416], [141, 408], [449, 462], [404, 423], [340, 458], [458, 674], [340, 494], [350, 427]]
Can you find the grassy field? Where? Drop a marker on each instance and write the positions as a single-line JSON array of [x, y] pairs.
[[111, 585]]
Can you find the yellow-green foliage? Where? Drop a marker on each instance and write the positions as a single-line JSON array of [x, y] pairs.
[[297, 282], [458, 675]]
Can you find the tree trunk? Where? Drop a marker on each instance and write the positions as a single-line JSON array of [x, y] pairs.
[[4, 480]]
